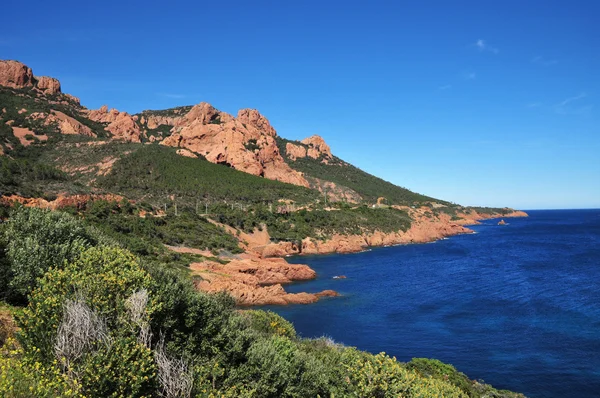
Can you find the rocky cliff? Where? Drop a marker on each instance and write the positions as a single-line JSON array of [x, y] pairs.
[[14, 74], [245, 142]]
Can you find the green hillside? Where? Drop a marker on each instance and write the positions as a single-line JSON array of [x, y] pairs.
[[344, 174], [155, 172]]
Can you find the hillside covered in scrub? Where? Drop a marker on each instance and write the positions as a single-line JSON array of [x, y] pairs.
[[135, 243], [90, 304]]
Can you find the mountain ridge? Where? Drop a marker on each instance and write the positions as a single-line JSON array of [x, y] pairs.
[[246, 142], [199, 179]]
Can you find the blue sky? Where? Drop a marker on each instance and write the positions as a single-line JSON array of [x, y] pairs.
[[478, 102]]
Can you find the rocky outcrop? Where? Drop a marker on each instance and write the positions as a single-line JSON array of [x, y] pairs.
[[313, 147], [48, 85], [121, 125], [27, 137], [245, 143], [66, 124], [252, 280], [153, 121], [186, 153], [73, 98], [317, 147], [251, 117], [294, 151], [15, 75], [69, 125]]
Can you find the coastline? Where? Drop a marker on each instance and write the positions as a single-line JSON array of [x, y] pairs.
[[257, 276]]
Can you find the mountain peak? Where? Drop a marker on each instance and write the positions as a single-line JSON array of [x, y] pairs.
[[255, 119], [15, 74]]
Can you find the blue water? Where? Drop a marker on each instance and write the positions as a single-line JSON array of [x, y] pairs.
[[517, 306]]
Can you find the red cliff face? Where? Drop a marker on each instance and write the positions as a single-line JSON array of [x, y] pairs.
[[15, 75], [314, 147], [48, 85], [245, 143], [121, 125], [317, 147]]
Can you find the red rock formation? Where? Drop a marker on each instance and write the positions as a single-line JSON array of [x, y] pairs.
[[65, 123], [186, 153], [255, 281], [73, 98], [223, 139], [251, 117], [23, 135], [294, 151], [48, 85], [317, 147], [121, 125], [15, 75]]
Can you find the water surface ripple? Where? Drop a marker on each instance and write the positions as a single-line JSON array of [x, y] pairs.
[[517, 306]]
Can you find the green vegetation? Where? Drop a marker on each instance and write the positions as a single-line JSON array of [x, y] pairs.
[[251, 145], [344, 174], [159, 176], [147, 235], [491, 210], [36, 241], [170, 112], [14, 100], [441, 371], [154, 173], [28, 178], [314, 222], [161, 131], [152, 334]]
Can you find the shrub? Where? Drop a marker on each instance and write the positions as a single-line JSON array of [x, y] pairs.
[[19, 379], [106, 277], [197, 325], [128, 370], [38, 240], [276, 367], [270, 323], [381, 376], [439, 370]]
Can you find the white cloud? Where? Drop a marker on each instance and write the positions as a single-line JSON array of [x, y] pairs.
[[482, 45], [571, 99], [567, 107]]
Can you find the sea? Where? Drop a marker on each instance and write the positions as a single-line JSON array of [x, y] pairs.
[[517, 306]]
